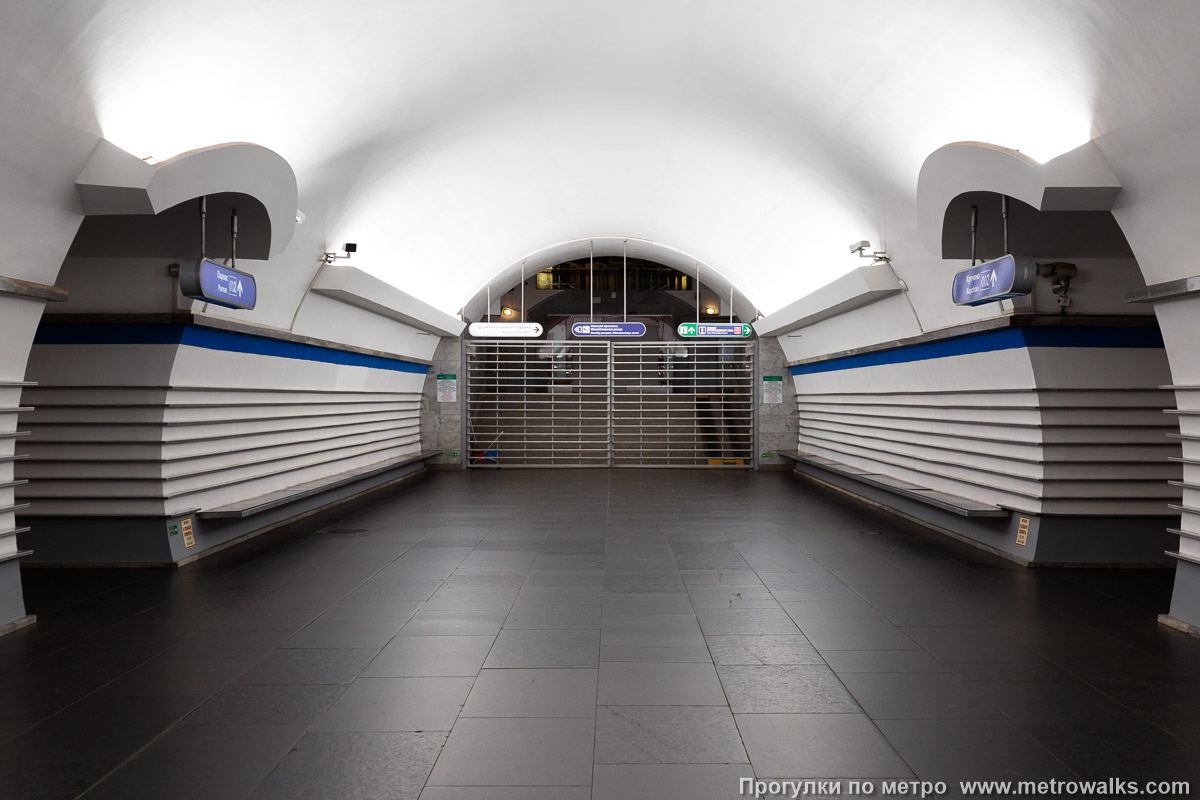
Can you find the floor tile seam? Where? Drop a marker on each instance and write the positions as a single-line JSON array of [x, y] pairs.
[[600, 646], [721, 683], [842, 683], [93, 635], [179, 724], [1102, 692], [1040, 654], [949, 669], [104, 686]]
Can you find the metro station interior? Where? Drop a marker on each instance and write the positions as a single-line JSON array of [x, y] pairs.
[[530, 400]]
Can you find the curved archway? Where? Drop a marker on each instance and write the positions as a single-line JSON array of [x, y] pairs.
[[115, 186], [609, 245]]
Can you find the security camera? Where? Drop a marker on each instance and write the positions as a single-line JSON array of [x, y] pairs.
[[350, 247], [859, 247], [1061, 270]]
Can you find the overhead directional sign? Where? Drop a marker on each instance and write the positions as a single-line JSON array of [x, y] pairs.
[[206, 280], [518, 330], [609, 329], [992, 281], [701, 329]]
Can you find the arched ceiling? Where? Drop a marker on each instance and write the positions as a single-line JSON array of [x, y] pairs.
[[450, 138]]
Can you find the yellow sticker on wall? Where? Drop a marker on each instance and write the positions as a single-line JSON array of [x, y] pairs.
[[1022, 531], [189, 536]]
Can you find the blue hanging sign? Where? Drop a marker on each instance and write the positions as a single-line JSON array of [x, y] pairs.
[[223, 286], [698, 329], [991, 281], [613, 329]]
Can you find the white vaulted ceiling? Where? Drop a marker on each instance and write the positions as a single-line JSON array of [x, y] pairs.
[[450, 138]]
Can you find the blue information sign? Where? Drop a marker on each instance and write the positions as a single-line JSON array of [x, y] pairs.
[[608, 329], [991, 281], [698, 329], [223, 286]]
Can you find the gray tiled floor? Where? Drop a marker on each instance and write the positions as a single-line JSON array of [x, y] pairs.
[[589, 635]]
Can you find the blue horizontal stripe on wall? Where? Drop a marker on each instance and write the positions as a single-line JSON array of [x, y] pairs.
[[213, 339], [992, 341]]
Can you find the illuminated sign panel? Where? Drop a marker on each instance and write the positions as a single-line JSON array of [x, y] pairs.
[[1001, 279]]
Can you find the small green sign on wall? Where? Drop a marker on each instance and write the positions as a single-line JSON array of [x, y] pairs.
[[447, 388], [772, 389]]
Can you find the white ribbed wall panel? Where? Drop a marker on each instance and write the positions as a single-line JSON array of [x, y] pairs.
[[10, 398], [1066, 431], [131, 430], [19, 316], [1188, 402]]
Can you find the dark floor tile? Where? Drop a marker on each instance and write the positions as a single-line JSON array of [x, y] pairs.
[[274, 619], [1130, 750], [667, 735], [317, 596], [658, 605], [560, 649], [718, 597], [430, 656], [446, 599], [1008, 671], [246, 646], [762, 649], [931, 616], [309, 666], [415, 590], [499, 578], [786, 585], [367, 610], [956, 644], [436, 622], [122, 656], [529, 616], [354, 766], [953, 750], [214, 789], [738, 621], [507, 793], [818, 746], [252, 704], [397, 704], [533, 693], [643, 584], [882, 661], [693, 781], [236, 753], [917, 695], [785, 689], [629, 684], [841, 608], [855, 633], [1054, 703], [327, 633], [517, 752]]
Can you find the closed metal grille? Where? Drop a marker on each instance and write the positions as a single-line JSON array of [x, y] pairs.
[[610, 404]]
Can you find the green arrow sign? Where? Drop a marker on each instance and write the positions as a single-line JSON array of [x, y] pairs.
[[713, 329]]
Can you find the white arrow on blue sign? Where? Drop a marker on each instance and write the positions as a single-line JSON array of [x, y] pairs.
[[609, 329], [1001, 279]]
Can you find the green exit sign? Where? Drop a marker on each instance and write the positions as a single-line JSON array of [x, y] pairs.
[[698, 330]]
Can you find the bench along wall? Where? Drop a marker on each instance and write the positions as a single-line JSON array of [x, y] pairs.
[[139, 426], [1060, 422]]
